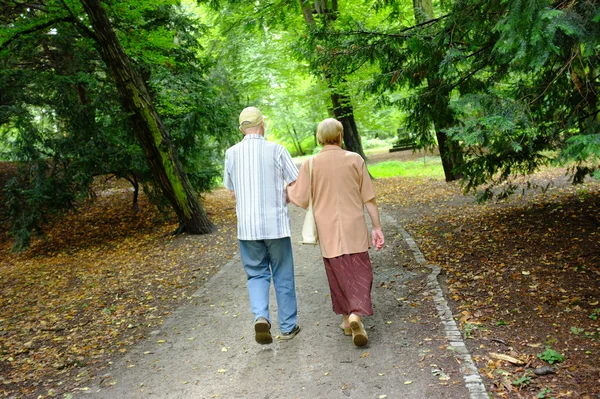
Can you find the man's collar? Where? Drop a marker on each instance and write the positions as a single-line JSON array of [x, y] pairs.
[[253, 136]]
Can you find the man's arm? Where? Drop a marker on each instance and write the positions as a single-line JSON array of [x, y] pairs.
[[226, 177], [290, 171]]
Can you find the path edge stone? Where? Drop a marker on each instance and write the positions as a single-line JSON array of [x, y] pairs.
[[470, 373]]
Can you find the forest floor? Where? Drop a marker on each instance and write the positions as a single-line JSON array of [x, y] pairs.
[[522, 277]]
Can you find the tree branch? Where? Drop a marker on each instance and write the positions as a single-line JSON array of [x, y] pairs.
[[258, 13], [33, 29], [86, 31], [38, 7], [477, 52], [558, 75], [399, 34], [467, 77]]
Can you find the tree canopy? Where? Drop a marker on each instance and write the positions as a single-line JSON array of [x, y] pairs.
[[513, 83], [503, 87]]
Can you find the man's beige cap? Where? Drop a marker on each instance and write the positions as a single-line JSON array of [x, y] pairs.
[[250, 117]]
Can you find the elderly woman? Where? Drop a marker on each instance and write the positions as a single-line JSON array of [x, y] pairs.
[[341, 189]]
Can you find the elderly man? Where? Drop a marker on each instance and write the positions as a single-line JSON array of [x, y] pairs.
[[256, 172]]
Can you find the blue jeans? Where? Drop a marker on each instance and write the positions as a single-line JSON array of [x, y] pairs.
[[263, 259]]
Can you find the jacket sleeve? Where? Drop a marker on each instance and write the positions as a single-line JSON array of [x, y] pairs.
[[366, 187], [298, 192]]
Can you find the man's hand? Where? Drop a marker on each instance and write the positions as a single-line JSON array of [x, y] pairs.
[[378, 239]]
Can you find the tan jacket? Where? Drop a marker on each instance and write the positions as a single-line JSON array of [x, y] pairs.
[[341, 186]]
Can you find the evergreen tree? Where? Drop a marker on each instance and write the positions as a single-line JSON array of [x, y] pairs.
[[510, 81], [65, 119]]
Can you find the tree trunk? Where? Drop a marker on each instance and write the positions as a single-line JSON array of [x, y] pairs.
[[297, 140], [342, 108], [446, 156], [147, 125], [442, 116], [423, 10]]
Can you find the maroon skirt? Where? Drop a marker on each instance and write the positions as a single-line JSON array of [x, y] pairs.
[[350, 279]]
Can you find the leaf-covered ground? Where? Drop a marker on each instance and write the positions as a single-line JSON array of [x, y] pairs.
[[522, 276], [100, 281]]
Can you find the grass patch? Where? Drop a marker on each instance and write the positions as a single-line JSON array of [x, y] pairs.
[[423, 167]]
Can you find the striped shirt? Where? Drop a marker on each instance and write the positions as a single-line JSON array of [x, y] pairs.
[[256, 170]]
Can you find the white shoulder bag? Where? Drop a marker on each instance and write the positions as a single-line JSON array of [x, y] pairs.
[[309, 228]]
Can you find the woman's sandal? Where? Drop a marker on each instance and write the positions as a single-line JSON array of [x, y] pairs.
[[347, 330], [359, 335]]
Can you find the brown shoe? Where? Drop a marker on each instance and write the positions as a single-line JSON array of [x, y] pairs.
[[262, 330], [359, 335], [289, 335]]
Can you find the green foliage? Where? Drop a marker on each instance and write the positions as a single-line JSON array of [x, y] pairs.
[[468, 329], [577, 330], [493, 125], [510, 80], [61, 118], [544, 393], [522, 381], [595, 314], [550, 356]]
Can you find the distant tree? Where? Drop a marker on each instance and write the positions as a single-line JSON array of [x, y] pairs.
[[326, 12], [275, 17], [438, 92], [262, 66]]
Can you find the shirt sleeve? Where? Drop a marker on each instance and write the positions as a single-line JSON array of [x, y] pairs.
[[298, 192], [290, 171], [366, 187], [227, 182]]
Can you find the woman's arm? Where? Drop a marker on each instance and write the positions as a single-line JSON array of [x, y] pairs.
[[298, 191], [376, 233]]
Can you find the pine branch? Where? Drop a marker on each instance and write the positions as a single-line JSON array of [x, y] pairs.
[[263, 11], [24, 6], [398, 35], [468, 76], [478, 51], [87, 31], [34, 29], [558, 75]]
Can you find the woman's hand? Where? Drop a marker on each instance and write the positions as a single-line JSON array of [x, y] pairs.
[[378, 239]]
